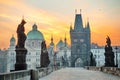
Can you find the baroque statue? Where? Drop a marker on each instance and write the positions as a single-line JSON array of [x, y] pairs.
[[109, 54], [21, 35], [44, 55]]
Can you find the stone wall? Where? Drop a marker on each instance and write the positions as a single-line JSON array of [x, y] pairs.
[[27, 74], [110, 70]]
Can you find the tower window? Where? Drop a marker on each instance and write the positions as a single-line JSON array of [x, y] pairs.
[[75, 40]]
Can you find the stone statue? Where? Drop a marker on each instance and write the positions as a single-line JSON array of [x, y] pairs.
[[108, 41], [21, 35], [92, 60], [20, 49], [109, 54], [44, 55]]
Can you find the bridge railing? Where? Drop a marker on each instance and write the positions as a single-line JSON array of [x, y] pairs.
[[41, 72], [28, 74], [17, 75], [111, 70]]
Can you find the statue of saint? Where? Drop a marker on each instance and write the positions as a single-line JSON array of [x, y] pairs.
[[21, 35], [20, 49], [108, 41], [44, 55], [109, 54]]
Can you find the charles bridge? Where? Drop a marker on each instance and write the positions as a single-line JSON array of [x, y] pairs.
[[43, 72], [21, 72]]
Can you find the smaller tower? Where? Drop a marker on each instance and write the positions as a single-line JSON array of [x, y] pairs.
[[65, 41], [52, 43], [88, 25], [11, 55], [71, 27], [12, 42]]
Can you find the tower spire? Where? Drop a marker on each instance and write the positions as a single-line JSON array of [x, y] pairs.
[[70, 26], [88, 23], [51, 38], [65, 40]]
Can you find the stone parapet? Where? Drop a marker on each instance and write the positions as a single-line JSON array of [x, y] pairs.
[[110, 70], [28, 74]]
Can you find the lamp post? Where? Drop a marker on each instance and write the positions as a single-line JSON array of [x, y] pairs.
[[116, 48]]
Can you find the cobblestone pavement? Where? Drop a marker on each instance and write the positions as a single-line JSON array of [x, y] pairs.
[[79, 74]]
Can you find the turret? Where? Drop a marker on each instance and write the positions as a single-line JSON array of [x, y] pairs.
[[12, 41], [88, 26], [65, 41], [71, 27], [52, 43]]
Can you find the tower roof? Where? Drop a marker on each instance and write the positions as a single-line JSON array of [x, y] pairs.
[[60, 43], [52, 41], [78, 24], [12, 39], [34, 33]]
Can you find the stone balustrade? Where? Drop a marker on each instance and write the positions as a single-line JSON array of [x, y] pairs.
[[110, 70], [27, 74], [17, 75]]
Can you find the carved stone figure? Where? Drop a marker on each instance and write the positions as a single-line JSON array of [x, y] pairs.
[[20, 49], [21, 35], [92, 60], [44, 55], [109, 54]]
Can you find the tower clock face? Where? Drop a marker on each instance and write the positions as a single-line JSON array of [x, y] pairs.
[[81, 40]]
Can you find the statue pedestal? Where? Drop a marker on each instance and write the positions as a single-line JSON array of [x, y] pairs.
[[20, 59]]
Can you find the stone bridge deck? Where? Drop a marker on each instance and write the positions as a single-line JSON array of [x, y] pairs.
[[79, 74]]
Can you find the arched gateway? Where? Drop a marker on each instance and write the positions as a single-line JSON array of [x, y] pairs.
[[78, 62]]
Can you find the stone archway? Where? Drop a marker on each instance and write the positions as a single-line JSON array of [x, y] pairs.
[[78, 62]]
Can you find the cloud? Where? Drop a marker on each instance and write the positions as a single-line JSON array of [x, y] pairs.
[[11, 16], [103, 20]]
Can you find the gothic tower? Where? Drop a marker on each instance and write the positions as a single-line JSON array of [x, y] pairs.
[[80, 43]]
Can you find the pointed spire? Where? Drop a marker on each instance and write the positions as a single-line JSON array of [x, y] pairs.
[[51, 38], [51, 44], [88, 25], [65, 40], [70, 26], [12, 40]]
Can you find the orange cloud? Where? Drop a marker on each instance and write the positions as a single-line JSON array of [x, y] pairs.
[[47, 23]]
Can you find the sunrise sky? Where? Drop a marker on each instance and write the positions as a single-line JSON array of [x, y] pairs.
[[55, 16]]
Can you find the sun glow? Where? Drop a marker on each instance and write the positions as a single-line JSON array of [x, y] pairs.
[[53, 23]]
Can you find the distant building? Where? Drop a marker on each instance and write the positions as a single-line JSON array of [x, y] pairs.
[[3, 61], [63, 53], [51, 52], [80, 43], [98, 54], [33, 46], [116, 53], [12, 54]]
